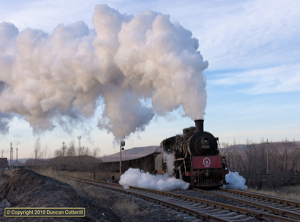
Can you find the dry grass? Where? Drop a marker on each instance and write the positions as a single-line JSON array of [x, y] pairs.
[[56, 174], [290, 192], [123, 207], [106, 175], [4, 175], [95, 193], [50, 173], [86, 190], [126, 206], [99, 175]]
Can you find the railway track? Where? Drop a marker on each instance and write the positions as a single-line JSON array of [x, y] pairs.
[[278, 206], [204, 210]]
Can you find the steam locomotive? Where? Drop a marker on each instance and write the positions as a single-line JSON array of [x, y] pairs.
[[196, 157]]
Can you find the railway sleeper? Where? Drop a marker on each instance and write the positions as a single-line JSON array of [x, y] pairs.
[[251, 214], [212, 211], [238, 217], [230, 214]]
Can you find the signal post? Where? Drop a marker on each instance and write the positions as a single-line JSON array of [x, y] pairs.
[[122, 144]]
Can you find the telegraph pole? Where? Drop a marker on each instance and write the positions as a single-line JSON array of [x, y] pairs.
[[17, 157], [120, 159], [63, 148], [267, 157], [11, 156], [2, 153], [79, 138]]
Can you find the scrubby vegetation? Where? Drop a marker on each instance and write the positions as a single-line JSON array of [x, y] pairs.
[[270, 165]]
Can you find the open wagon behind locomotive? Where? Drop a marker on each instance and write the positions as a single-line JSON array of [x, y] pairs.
[[197, 159]]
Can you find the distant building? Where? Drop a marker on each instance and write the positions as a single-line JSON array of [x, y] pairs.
[[3, 163]]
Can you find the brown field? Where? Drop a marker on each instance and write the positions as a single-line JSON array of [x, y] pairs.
[[99, 175], [290, 192]]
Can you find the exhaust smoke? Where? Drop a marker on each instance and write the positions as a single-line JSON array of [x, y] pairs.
[[124, 60]]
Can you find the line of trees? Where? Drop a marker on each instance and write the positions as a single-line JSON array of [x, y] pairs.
[[271, 164], [70, 156], [72, 150]]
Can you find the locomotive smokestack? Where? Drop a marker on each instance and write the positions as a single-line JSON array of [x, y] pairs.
[[199, 125]]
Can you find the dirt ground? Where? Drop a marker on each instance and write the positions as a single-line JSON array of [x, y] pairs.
[[25, 188]]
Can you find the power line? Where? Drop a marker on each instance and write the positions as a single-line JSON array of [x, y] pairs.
[[4, 136]]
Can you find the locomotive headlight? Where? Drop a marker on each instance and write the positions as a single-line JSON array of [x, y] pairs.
[[205, 141]]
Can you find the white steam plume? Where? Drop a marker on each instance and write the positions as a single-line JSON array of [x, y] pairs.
[[235, 181], [137, 178], [169, 158], [124, 60]]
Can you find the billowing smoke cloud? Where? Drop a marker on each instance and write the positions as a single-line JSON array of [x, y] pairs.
[[137, 178], [4, 120], [235, 181], [124, 60]]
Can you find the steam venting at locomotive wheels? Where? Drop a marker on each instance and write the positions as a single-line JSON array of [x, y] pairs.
[[138, 178]]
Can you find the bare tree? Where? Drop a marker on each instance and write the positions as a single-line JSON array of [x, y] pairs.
[[83, 151], [45, 152], [58, 153], [295, 158], [96, 151], [71, 150]]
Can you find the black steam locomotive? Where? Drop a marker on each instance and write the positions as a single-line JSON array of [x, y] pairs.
[[197, 159]]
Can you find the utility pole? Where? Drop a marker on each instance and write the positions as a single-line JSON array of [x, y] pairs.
[[35, 154], [11, 156], [79, 138], [63, 148], [120, 159], [267, 157], [17, 157], [2, 153]]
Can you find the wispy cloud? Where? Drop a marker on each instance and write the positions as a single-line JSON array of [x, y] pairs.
[[256, 34], [284, 78]]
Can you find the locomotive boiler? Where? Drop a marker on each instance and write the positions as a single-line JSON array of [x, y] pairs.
[[195, 157]]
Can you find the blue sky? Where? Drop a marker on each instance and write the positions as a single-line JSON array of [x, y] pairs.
[[253, 77]]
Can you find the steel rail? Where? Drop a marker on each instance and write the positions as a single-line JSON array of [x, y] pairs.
[[253, 213], [270, 209], [183, 209], [257, 214], [263, 197]]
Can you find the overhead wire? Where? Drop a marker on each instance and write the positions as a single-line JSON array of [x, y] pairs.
[[4, 137]]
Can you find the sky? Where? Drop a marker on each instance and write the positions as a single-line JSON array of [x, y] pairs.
[[252, 80]]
